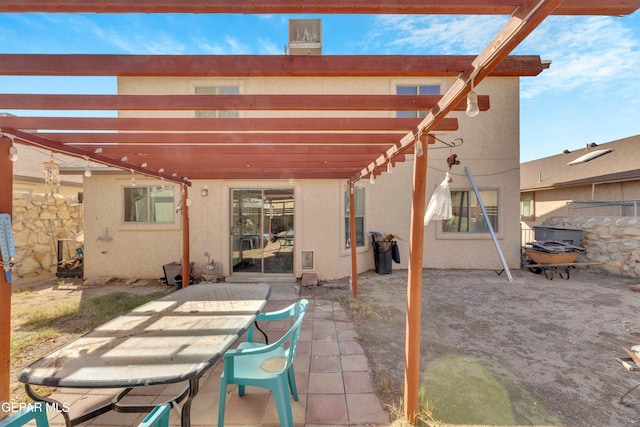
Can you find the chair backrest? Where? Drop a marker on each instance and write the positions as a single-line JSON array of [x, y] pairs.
[[33, 412], [159, 417], [294, 332]]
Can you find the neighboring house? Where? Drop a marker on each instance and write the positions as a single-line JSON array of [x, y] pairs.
[[595, 189], [41, 221], [257, 229], [597, 172]]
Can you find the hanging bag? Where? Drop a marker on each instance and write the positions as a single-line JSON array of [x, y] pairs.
[[439, 207]]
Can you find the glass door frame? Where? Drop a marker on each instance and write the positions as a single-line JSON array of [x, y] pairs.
[[261, 236]]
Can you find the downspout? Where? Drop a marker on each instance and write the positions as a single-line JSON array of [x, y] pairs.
[[186, 273], [414, 286], [352, 239], [6, 205]]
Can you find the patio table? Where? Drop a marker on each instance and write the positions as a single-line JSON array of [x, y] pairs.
[[173, 339]]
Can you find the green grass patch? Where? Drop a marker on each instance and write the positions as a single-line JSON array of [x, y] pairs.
[[47, 323], [461, 390]]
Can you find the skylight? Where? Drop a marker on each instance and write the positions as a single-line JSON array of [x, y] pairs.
[[590, 156]]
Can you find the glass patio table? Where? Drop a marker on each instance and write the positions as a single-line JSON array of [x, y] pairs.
[[173, 339]]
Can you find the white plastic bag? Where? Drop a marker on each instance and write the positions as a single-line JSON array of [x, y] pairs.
[[440, 204]]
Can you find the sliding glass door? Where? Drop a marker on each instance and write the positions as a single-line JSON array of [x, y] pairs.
[[262, 234]]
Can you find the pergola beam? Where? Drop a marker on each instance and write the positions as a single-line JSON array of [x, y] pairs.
[[57, 147], [257, 65], [219, 124], [227, 102], [474, 7], [169, 140]]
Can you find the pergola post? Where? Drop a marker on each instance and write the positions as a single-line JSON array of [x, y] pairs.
[[414, 286], [352, 239], [186, 267], [6, 204]]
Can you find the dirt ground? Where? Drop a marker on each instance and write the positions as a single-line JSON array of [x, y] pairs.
[[529, 352]]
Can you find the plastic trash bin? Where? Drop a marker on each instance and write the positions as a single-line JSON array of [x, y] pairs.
[[384, 253]]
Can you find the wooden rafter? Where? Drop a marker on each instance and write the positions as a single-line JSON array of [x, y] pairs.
[[219, 124], [227, 102], [258, 65], [472, 7]]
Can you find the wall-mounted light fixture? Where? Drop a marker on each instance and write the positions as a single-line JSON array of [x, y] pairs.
[[205, 191], [133, 179]]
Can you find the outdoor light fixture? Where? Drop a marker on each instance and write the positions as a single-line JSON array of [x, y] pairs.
[[372, 179], [418, 145], [204, 192], [13, 151], [87, 169], [389, 167], [133, 179], [472, 103]]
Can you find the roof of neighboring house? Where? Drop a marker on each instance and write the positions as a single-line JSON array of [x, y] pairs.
[[29, 166], [622, 162]]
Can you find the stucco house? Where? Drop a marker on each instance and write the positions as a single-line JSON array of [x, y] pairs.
[[597, 172], [595, 189], [282, 228]]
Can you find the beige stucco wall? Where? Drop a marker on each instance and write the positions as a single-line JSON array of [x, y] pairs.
[[490, 150], [553, 203]]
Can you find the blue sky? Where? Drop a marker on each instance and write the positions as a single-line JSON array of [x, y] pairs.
[[590, 93]]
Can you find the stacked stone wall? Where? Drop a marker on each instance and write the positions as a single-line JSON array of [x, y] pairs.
[[612, 242], [38, 224]]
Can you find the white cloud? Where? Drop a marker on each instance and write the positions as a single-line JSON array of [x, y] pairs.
[[586, 52], [427, 34]]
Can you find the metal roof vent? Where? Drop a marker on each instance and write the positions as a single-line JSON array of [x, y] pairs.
[[590, 156], [305, 36]]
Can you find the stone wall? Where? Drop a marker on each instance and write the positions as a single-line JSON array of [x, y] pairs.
[[612, 241], [38, 223]]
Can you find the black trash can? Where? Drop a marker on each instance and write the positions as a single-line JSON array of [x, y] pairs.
[[382, 254]]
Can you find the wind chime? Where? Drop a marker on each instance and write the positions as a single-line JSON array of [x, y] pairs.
[[51, 178]]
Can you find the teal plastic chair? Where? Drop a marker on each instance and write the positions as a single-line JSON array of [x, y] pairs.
[[159, 417], [268, 366], [34, 412]]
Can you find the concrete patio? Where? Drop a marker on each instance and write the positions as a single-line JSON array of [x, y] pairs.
[[331, 370]]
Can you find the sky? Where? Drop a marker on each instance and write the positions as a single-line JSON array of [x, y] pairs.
[[591, 92]]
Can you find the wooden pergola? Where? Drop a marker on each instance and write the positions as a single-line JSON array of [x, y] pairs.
[[342, 146]]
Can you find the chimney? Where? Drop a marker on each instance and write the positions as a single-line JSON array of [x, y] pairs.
[[305, 36]]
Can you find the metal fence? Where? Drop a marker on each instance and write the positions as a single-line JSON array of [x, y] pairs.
[[603, 208]]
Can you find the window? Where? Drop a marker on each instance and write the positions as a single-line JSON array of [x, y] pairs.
[[416, 90], [149, 204], [217, 90], [467, 213], [358, 194], [526, 205]]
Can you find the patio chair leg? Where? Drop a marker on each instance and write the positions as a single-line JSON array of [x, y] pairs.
[[283, 403], [292, 383], [222, 401]]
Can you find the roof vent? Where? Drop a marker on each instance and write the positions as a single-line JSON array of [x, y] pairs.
[[590, 156], [305, 36]]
